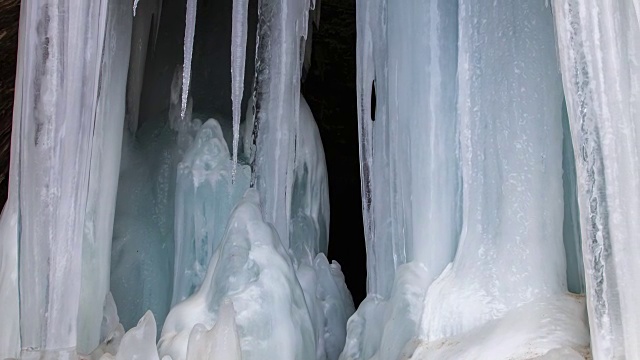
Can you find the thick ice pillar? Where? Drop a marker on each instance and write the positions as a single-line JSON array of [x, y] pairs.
[[599, 48], [509, 102], [105, 167], [59, 81], [407, 51], [9, 219]]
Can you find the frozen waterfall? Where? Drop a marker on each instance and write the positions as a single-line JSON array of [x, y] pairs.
[[169, 190]]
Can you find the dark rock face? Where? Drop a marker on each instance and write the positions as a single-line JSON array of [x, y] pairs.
[[9, 16]]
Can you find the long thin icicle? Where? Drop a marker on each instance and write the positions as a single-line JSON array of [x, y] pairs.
[[189, 32], [238, 55]]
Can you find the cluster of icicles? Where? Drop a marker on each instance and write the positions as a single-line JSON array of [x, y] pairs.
[[500, 189]]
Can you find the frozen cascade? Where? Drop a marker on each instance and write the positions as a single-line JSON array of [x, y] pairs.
[[509, 106], [238, 55], [413, 139], [598, 45]]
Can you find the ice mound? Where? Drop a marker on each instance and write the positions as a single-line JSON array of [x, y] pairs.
[[252, 270]]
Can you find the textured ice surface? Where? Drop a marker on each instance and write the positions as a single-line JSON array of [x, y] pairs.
[[10, 310], [381, 329], [55, 117], [309, 226], [509, 105], [508, 124], [550, 325], [252, 270], [409, 167], [598, 47], [205, 197], [470, 173]]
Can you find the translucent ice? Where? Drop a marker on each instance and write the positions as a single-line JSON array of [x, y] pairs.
[[104, 170], [205, 197], [598, 47], [309, 226], [252, 270], [142, 253]]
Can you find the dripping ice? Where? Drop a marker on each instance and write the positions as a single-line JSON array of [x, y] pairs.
[[499, 187]]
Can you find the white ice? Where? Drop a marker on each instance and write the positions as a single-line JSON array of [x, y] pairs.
[[598, 47], [238, 55]]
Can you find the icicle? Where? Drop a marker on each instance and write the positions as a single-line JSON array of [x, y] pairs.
[[135, 6], [238, 54], [189, 32]]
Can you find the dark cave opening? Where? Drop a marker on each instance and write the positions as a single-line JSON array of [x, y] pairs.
[[330, 90]]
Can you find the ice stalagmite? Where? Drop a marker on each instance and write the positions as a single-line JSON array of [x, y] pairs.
[[598, 47], [103, 182], [238, 55], [189, 33], [252, 270]]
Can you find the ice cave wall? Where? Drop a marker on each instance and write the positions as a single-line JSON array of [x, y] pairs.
[[476, 224]]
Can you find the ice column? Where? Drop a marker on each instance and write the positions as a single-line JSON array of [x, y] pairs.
[[59, 81], [281, 29], [509, 102], [105, 166], [410, 166], [598, 43]]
